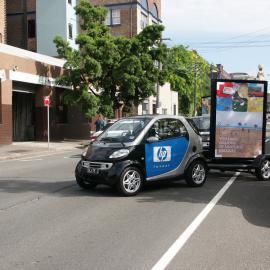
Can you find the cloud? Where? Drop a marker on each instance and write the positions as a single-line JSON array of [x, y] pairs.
[[213, 16]]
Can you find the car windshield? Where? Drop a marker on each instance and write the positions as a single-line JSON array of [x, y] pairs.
[[125, 130], [202, 123]]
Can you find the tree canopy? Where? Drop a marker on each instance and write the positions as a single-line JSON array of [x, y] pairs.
[[107, 72], [188, 75]]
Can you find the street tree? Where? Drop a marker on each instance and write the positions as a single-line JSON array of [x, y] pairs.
[[108, 72], [189, 76]]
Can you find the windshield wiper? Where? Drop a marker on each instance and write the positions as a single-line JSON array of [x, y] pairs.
[[111, 139]]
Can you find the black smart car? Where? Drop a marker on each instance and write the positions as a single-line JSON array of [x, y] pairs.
[[141, 149]]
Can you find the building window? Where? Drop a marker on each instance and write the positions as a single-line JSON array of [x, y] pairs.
[[70, 2], [154, 11], [116, 16], [70, 31], [113, 17], [144, 20], [144, 4], [164, 111], [1, 38], [31, 27]]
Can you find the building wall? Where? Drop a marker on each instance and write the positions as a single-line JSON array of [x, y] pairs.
[[51, 21], [168, 99], [130, 15], [19, 13], [2, 21], [35, 71]]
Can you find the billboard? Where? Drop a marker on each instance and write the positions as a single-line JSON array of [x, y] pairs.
[[239, 117]]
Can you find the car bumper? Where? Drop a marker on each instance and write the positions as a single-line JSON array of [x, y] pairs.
[[104, 176]]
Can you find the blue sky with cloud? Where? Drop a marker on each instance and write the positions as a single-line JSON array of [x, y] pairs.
[[228, 23]]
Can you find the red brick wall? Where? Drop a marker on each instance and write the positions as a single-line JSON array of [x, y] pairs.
[[129, 18]]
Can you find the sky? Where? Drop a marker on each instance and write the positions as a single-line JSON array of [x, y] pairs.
[[235, 33]]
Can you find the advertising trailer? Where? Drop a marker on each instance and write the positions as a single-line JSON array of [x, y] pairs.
[[238, 123]]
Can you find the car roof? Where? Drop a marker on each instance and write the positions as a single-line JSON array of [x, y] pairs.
[[156, 116]]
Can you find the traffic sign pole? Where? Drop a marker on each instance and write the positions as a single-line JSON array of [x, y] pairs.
[[47, 104], [48, 116]]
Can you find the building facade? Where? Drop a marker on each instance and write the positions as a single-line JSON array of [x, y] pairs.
[[2, 21], [33, 24], [128, 18], [62, 22], [21, 24], [25, 79]]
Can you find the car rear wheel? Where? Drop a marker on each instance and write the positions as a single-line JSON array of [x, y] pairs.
[[263, 172], [130, 182], [196, 174]]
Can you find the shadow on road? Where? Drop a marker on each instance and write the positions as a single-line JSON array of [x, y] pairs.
[[247, 194]]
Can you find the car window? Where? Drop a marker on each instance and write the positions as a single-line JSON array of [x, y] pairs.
[[125, 130], [167, 128]]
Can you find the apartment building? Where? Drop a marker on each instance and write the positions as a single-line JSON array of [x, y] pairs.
[[2, 21], [26, 77], [33, 24], [129, 17]]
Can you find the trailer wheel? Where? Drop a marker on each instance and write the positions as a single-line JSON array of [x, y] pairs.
[[263, 171]]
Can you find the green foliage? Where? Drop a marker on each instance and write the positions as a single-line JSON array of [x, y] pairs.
[[188, 72], [107, 72]]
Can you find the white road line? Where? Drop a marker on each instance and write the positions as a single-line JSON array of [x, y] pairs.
[[183, 238], [26, 160]]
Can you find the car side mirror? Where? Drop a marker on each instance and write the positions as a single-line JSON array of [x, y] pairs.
[[152, 139]]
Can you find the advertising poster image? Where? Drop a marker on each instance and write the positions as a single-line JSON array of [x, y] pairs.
[[206, 105], [239, 119]]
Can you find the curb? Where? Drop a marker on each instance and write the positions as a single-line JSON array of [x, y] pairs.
[[34, 154]]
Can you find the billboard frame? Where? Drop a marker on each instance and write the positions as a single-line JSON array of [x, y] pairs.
[[213, 118]]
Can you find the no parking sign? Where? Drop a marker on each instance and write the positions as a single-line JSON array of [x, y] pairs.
[[46, 101]]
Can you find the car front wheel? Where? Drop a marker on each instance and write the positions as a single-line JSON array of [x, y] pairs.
[[196, 174], [130, 182]]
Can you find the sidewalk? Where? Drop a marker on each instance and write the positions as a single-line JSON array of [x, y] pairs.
[[32, 149]]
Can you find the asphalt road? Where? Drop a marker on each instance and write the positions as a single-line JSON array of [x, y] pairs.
[[47, 222]]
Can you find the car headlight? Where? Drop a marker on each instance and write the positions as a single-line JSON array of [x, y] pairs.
[[119, 153], [85, 152]]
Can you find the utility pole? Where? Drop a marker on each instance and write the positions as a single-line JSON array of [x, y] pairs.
[[195, 89], [158, 86]]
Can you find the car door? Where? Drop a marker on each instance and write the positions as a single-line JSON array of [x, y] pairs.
[[164, 155]]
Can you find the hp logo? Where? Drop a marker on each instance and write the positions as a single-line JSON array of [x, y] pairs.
[[162, 153]]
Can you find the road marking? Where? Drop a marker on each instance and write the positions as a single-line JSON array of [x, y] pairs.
[[26, 160], [183, 238]]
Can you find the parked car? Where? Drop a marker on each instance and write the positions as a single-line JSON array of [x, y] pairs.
[[203, 125], [142, 149]]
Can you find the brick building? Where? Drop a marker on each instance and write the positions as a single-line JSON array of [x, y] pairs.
[[25, 79], [129, 17], [2, 21], [21, 24]]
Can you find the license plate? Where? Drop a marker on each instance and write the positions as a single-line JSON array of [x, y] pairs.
[[93, 170]]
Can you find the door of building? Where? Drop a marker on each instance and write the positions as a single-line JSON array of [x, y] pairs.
[[23, 115]]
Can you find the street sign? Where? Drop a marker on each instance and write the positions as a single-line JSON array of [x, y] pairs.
[[46, 101]]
